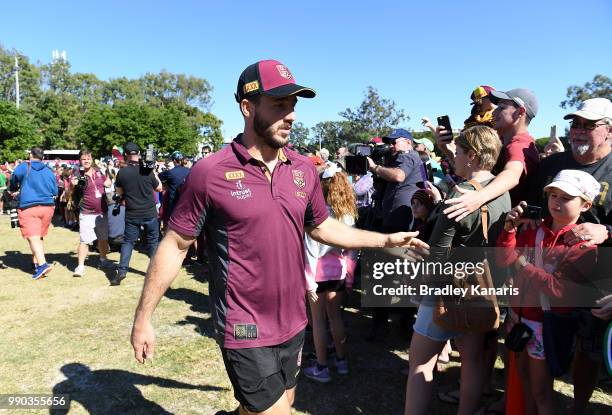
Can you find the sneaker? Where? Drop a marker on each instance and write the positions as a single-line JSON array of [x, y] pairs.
[[318, 373], [41, 271], [79, 271], [105, 263], [119, 276], [342, 366]]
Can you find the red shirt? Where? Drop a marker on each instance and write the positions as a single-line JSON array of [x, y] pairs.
[[564, 277], [520, 148], [254, 226]]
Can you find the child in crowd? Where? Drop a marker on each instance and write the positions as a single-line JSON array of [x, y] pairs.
[[329, 272], [545, 272]]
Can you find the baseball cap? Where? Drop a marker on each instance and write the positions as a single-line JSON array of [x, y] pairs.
[[177, 156], [397, 133], [520, 96], [272, 78], [131, 149], [480, 92], [593, 109], [427, 143], [376, 140], [576, 183]]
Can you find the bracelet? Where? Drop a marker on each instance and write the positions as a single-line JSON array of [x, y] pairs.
[[376, 169]]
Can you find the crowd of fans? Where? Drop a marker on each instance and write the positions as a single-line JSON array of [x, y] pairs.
[[470, 189]]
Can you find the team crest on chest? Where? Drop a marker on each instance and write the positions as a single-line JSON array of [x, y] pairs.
[[298, 178]]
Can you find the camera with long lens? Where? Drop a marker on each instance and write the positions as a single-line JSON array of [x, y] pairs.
[[12, 206], [117, 208], [82, 180], [150, 157], [357, 162]]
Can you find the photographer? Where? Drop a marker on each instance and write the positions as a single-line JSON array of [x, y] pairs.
[[137, 183], [89, 195], [36, 186], [401, 174]]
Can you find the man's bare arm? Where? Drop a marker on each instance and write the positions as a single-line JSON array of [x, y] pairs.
[[335, 233], [163, 269], [472, 200], [161, 272]]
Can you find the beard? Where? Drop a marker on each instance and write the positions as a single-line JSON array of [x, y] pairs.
[[580, 149], [265, 130]]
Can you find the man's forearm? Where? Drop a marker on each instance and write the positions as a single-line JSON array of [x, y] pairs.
[[334, 233], [504, 181], [390, 174], [162, 271]]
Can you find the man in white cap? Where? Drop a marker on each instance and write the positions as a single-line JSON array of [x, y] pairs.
[[590, 138]]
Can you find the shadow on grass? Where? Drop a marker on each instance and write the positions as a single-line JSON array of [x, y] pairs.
[[114, 391], [199, 303]]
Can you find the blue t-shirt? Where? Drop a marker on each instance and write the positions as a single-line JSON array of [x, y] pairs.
[[399, 194]]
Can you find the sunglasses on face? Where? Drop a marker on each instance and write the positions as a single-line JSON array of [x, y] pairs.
[[589, 126]]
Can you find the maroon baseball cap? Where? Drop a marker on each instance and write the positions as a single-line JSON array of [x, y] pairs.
[[272, 78]]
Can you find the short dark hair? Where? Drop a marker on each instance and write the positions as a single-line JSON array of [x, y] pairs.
[[37, 153], [84, 152]]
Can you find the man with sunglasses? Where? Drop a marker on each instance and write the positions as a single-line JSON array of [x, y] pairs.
[[590, 139]]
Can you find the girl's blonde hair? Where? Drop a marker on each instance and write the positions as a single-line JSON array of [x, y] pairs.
[[484, 142], [339, 195]]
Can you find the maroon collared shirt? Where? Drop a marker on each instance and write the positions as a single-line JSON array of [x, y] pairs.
[[254, 226]]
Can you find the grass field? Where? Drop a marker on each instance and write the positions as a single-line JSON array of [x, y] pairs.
[[71, 335]]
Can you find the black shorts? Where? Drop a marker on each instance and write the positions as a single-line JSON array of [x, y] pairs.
[[591, 331], [260, 375], [333, 285]]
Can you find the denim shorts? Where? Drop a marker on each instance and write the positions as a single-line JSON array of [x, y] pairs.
[[425, 326]]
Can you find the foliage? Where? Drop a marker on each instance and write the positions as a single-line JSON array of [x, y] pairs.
[[68, 109], [17, 132], [600, 87], [300, 135]]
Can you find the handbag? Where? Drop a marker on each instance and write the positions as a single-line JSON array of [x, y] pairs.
[[476, 312]]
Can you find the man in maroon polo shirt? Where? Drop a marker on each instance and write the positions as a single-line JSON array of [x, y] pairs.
[[254, 200]]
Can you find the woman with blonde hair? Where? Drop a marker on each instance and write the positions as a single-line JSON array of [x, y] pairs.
[[329, 272], [477, 151]]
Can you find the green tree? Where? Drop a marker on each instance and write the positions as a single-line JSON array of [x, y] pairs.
[[600, 87], [332, 135], [374, 117], [29, 79], [17, 132], [300, 135], [168, 128]]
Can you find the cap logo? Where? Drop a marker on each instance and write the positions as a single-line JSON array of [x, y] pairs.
[[284, 72], [251, 86], [234, 175]]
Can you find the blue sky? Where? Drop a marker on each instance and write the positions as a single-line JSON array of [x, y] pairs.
[[426, 56]]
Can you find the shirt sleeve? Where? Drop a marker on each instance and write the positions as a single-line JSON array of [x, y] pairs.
[[191, 211], [316, 210]]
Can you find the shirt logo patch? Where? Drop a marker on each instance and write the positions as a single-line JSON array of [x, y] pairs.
[[241, 191], [234, 175], [298, 178], [284, 72], [301, 194], [251, 86], [245, 331]]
